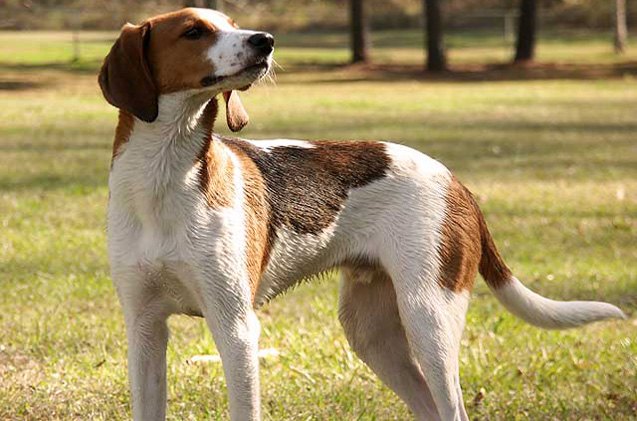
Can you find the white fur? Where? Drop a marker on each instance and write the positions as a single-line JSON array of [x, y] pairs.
[[170, 253], [550, 314], [433, 318], [396, 221], [167, 244], [218, 19], [269, 144], [229, 54]]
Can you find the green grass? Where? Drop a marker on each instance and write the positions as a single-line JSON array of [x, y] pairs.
[[553, 161]]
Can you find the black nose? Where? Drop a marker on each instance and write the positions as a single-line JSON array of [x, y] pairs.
[[262, 41]]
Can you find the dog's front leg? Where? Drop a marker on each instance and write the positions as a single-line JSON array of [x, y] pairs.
[[235, 329], [146, 312]]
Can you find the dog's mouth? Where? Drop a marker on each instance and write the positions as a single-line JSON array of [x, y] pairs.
[[252, 73]]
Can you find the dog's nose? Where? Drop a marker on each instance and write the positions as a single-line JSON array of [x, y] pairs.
[[262, 41]]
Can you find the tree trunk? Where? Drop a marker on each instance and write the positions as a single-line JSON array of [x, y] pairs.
[[359, 32], [436, 60], [525, 46], [620, 26], [208, 4]]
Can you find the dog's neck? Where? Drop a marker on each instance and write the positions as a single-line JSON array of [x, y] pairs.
[[180, 115], [165, 151]]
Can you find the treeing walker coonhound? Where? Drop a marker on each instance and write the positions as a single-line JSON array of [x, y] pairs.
[[206, 225]]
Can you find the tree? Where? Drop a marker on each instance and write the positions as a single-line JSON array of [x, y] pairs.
[[525, 45], [620, 26], [359, 32], [208, 4], [436, 59]]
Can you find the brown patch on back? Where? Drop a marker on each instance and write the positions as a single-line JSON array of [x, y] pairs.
[[307, 187], [460, 248], [123, 131], [302, 189]]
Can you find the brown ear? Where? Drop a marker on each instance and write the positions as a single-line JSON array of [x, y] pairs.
[[125, 78], [236, 115]]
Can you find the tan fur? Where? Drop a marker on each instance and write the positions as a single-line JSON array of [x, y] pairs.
[[123, 131], [216, 182], [155, 58], [216, 175], [467, 246], [125, 78], [257, 215], [179, 63], [368, 312], [236, 115], [492, 267], [460, 249]]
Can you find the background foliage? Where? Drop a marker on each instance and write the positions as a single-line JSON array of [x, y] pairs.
[[285, 15]]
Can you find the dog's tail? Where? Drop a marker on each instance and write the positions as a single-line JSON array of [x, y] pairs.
[[530, 306]]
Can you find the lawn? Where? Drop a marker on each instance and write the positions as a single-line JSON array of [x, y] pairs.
[[550, 152]]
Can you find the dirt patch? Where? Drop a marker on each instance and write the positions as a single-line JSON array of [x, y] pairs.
[[18, 369]]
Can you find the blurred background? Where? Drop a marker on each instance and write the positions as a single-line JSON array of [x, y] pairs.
[[488, 18], [531, 103]]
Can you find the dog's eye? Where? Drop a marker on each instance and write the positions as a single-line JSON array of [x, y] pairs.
[[193, 33]]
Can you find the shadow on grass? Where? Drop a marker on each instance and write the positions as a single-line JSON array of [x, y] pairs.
[[73, 67], [19, 85], [77, 183], [494, 72], [414, 38], [334, 72], [470, 152], [41, 147]]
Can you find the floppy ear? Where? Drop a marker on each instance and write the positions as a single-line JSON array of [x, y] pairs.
[[125, 78], [236, 115]]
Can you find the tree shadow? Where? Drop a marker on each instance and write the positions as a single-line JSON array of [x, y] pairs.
[[19, 85], [50, 182], [492, 72], [40, 147], [84, 66], [341, 72]]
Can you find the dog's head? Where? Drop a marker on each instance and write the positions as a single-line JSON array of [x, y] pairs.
[[198, 51]]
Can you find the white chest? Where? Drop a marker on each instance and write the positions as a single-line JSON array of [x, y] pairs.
[[155, 205]]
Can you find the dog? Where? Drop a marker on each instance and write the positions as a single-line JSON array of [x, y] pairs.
[[213, 226]]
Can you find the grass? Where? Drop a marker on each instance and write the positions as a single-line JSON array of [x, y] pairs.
[[552, 159]]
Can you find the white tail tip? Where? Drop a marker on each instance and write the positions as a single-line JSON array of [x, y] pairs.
[[550, 314]]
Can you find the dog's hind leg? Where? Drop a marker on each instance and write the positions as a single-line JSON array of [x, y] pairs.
[[433, 319], [369, 315]]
